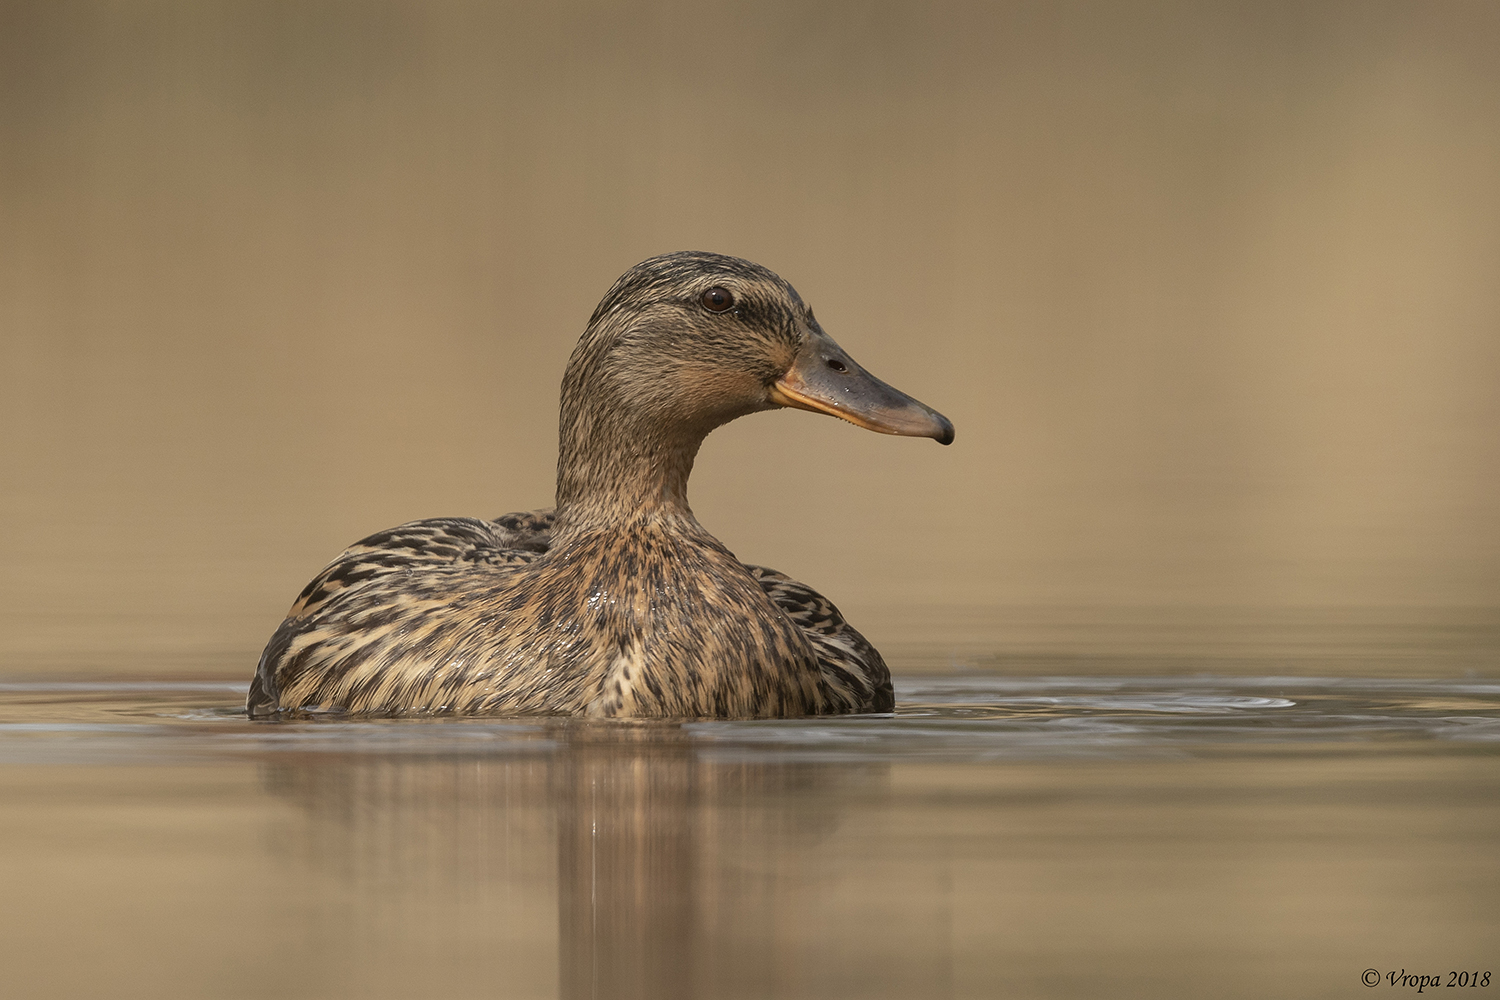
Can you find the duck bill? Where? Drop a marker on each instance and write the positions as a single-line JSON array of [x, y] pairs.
[[826, 380]]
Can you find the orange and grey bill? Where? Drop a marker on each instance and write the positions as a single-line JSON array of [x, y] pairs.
[[824, 379]]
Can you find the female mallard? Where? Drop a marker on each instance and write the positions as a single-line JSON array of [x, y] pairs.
[[617, 602]]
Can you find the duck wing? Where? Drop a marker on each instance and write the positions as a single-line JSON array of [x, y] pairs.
[[854, 675], [509, 540]]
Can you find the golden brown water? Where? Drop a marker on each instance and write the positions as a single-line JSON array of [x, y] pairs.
[[1195, 627], [1000, 836]]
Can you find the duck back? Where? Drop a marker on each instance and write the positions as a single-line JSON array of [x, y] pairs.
[[504, 617]]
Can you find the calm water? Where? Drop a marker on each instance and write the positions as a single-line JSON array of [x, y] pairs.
[[1049, 836]]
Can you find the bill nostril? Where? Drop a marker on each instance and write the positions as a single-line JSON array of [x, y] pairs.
[[837, 365]]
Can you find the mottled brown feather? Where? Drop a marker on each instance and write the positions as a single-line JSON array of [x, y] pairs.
[[617, 602]]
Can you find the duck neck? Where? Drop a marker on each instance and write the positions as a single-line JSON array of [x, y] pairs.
[[612, 471]]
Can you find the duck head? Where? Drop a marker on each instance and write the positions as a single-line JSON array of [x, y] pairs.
[[686, 342]]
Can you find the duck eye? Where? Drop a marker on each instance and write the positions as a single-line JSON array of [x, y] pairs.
[[717, 299]]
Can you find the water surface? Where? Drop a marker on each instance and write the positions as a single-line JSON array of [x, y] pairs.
[[1050, 836]]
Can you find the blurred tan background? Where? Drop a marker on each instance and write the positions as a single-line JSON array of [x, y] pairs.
[[1211, 292]]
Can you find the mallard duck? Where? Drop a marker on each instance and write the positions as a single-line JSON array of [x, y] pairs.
[[616, 602]]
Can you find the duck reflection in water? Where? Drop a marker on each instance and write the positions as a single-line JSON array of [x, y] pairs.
[[678, 872], [617, 603]]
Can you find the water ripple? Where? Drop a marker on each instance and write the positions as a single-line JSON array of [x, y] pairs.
[[950, 718]]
